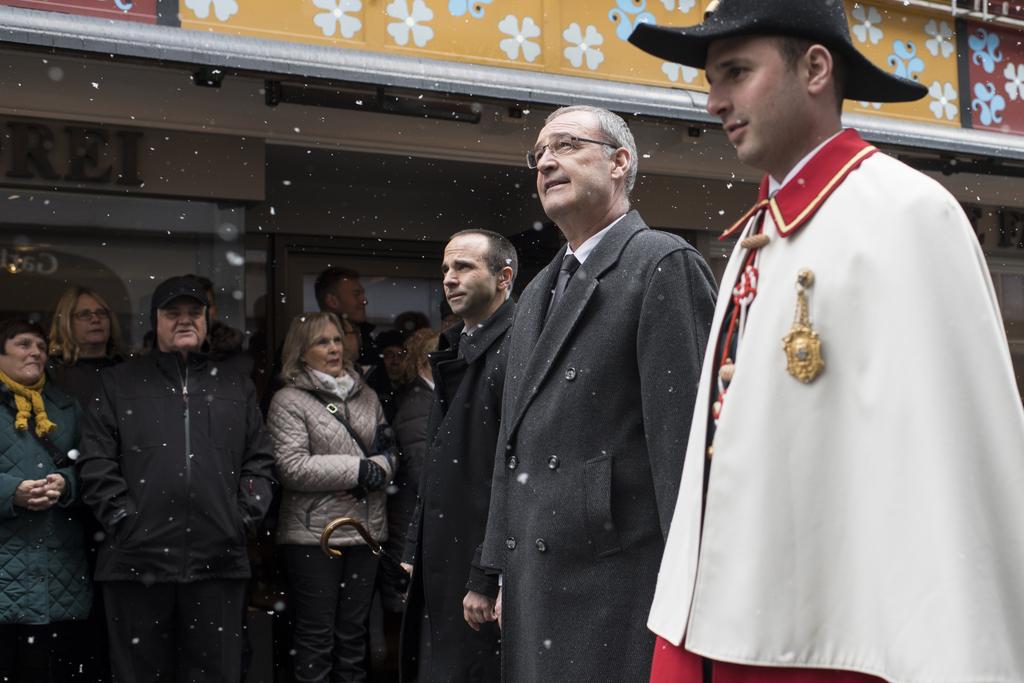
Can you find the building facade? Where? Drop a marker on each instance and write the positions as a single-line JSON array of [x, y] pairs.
[[255, 142]]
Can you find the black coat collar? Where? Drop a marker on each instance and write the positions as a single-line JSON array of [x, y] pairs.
[[173, 366], [475, 345]]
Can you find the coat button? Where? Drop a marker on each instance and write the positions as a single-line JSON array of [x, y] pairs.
[[510, 543], [570, 374], [513, 462], [553, 462], [541, 545]]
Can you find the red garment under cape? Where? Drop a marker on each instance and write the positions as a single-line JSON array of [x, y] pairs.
[[673, 664]]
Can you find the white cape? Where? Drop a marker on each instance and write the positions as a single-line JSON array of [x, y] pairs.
[[872, 520]]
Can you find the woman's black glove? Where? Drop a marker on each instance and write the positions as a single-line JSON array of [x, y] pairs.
[[372, 476]]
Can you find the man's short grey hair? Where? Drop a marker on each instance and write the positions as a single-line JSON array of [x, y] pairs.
[[612, 127]]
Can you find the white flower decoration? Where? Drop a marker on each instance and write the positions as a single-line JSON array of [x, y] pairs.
[[223, 9], [520, 37], [870, 105], [410, 22], [678, 72], [684, 5], [867, 28], [335, 16], [582, 46], [941, 41], [1014, 80], [943, 97]]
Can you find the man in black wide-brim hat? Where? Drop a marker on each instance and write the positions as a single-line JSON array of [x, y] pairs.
[[850, 505]]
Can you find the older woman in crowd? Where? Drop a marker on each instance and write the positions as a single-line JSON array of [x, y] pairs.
[[85, 337], [44, 584], [332, 461]]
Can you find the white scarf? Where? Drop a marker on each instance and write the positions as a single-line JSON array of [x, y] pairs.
[[339, 386]]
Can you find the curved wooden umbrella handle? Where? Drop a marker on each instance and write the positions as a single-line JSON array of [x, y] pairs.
[[334, 524]]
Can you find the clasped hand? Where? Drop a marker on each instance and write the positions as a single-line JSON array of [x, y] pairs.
[[39, 494]]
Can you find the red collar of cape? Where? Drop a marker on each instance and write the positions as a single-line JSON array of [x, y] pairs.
[[798, 200]]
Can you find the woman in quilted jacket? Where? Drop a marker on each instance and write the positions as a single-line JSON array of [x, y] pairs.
[[45, 589], [332, 461]]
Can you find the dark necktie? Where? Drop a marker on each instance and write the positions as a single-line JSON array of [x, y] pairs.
[[569, 267]]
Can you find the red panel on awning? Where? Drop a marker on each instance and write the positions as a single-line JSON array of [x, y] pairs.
[[127, 10], [995, 77]]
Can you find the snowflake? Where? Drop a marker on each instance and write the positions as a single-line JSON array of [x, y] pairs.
[[1014, 81], [335, 16], [684, 5], [943, 97], [222, 8], [870, 105], [941, 38], [678, 72], [520, 35], [867, 28], [582, 46], [413, 22]]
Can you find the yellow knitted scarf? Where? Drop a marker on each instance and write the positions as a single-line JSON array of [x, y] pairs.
[[28, 400]]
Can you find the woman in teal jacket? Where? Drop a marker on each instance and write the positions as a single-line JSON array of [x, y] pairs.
[[44, 583]]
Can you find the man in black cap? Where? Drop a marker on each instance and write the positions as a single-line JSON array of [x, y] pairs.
[[850, 502], [176, 466]]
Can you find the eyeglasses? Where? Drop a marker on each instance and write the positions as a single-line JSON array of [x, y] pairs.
[[560, 147], [86, 314]]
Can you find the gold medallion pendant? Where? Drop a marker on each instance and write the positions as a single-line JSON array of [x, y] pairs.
[[802, 345]]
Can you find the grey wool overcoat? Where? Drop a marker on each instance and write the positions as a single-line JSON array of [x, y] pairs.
[[595, 417]]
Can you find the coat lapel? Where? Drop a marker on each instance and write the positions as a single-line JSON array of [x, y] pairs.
[[527, 326], [450, 370], [548, 340], [477, 344]]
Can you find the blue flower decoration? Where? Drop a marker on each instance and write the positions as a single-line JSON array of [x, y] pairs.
[[984, 48], [620, 16], [904, 61], [988, 104], [124, 5], [475, 7]]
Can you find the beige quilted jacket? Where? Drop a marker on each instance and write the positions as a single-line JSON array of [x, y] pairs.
[[318, 462]]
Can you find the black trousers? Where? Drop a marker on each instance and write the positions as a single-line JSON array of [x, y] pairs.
[[175, 632], [39, 653], [330, 599]]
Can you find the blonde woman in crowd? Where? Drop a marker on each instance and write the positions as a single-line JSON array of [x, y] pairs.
[[85, 337], [333, 461]]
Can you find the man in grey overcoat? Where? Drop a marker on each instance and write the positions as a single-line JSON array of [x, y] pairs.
[[603, 362]]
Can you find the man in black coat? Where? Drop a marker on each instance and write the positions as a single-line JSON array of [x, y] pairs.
[[603, 362], [449, 632], [176, 466]]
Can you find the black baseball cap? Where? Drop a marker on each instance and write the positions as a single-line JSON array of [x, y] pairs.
[[176, 287]]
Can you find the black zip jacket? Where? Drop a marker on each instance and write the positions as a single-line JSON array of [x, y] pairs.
[[176, 466]]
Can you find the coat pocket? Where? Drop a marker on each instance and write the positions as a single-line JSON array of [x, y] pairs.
[[315, 518], [124, 529], [597, 486]]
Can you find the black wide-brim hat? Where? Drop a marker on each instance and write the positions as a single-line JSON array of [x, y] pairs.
[[821, 21]]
